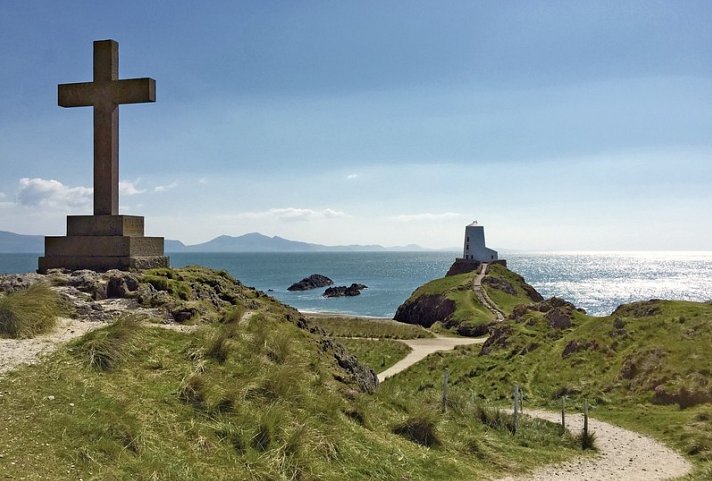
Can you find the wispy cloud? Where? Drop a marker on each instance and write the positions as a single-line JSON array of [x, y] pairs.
[[425, 217], [128, 187], [203, 181], [52, 193], [3, 195], [165, 188], [352, 176], [293, 214]]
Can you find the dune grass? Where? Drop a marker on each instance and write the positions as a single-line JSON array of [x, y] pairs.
[[29, 312], [250, 400], [337, 326], [378, 354]]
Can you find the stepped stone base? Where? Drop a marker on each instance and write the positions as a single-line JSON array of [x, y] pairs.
[[101, 243]]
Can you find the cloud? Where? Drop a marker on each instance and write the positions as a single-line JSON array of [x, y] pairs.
[[425, 217], [352, 176], [127, 187], [203, 181], [2, 195], [52, 193], [292, 214], [164, 188]]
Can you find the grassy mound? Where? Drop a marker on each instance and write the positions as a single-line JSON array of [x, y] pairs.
[[251, 395], [378, 354], [29, 312], [337, 326], [451, 303], [646, 367]]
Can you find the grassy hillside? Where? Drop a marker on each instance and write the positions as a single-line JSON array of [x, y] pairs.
[[250, 394], [450, 302], [647, 367]]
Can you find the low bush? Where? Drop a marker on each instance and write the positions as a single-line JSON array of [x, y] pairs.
[[420, 428], [105, 348], [27, 313]]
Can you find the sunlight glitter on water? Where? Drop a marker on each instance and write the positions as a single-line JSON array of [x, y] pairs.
[[600, 281]]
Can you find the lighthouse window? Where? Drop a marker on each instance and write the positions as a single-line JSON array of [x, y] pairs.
[[468, 238], [468, 246]]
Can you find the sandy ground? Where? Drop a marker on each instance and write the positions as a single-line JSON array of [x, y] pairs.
[[15, 352], [623, 455], [422, 347]]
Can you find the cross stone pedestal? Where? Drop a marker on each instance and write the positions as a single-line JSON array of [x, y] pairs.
[[103, 242]]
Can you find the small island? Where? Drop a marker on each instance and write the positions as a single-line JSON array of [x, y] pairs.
[[344, 291], [314, 281]]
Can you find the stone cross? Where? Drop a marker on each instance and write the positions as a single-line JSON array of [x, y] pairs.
[[105, 94]]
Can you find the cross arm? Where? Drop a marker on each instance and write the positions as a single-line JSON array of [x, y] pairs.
[[75, 95], [134, 91]]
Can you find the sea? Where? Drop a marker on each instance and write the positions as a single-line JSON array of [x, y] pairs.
[[595, 281]]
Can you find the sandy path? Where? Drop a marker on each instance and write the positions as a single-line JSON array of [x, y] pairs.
[[623, 455], [483, 297], [422, 347], [15, 352]]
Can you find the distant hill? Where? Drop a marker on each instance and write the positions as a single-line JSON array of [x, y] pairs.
[[256, 242], [253, 242], [11, 243]]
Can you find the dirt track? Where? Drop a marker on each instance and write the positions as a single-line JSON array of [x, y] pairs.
[[623, 455]]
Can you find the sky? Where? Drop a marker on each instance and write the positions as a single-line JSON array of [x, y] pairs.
[[559, 125]]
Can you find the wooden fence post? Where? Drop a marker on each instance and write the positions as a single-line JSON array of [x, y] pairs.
[[516, 409], [585, 418], [446, 378], [563, 413]]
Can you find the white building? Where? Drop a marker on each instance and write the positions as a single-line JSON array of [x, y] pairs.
[[475, 249]]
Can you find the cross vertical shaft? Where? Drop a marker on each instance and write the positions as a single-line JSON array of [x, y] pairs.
[[106, 131]]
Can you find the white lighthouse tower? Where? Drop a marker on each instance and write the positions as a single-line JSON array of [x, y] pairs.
[[475, 248]]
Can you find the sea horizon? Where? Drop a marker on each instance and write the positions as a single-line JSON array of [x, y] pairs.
[[597, 281]]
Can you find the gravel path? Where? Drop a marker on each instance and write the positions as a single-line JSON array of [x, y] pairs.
[[422, 347], [623, 455], [15, 352], [483, 297]]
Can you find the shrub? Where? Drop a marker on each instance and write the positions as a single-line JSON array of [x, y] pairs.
[[419, 428], [104, 349], [29, 312], [587, 440]]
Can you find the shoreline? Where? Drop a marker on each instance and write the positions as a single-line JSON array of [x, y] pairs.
[[344, 315]]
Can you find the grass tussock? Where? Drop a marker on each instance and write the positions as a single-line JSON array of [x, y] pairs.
[[421, 428], [587, 440], [30, 312], [105, 349], [365, 327]]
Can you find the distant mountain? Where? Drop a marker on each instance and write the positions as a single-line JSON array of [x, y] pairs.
[[254, 242], [11, 243]]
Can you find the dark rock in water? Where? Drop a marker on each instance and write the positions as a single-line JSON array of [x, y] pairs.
[[312, 282], [343, 291], [426, 310]]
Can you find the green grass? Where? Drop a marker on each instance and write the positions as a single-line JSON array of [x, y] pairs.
[[241, 400], [458, 288], [505, 301], [378, 354], [617, 365], [366, 327], [29, 312]]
